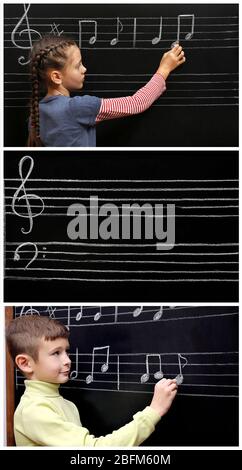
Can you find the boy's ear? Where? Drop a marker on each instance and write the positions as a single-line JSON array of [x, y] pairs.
[[24, 363], [55, 77]]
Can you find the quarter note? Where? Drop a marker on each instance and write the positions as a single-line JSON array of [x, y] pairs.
[[93, 38], [157, 316], [137, 312], [79, 314], [157, 39], [98, 315], [104, 366], [188, 35], [120, 28], [179, 377], [74, 372], [157, 375]]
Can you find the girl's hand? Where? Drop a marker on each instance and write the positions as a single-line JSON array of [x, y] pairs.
[[171, 60], [164, 394]]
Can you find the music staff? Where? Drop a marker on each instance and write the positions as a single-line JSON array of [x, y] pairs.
[[84, 316]]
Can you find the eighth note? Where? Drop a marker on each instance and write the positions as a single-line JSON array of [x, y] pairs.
[[157, 375], [119, 30], [104, 366], [188, 35], [27, 197]]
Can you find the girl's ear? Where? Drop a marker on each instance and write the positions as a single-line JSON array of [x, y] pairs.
[[55, 77], [24, 363]]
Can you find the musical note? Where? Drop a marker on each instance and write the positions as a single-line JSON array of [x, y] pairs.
[[29, 311], [98, 315], [79, 314], [137, 312], [105, 365], [22, 60], [26, 196], [188, 35], [157, 39], [179, 377], [17, 256], [92, 39], [157, 316], [51, 312], [74, 373], [157, 375], [119, 30]]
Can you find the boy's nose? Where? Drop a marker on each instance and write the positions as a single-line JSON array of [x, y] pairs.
[[67, 360]]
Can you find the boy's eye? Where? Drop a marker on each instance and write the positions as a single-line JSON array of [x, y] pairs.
[[57, 353]]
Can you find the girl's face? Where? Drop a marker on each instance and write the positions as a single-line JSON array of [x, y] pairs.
[[73, 74]]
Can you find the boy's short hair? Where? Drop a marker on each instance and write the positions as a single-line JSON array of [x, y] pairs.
[[23, 334]]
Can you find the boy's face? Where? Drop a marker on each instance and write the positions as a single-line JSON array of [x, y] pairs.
[[53, 364]]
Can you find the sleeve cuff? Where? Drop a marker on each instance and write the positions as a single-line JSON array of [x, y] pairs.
[[152, 414]]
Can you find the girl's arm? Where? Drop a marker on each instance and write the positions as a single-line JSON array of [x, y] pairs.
[[112, 108]]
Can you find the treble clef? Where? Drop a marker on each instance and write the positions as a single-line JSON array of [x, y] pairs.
[[17, 256], [26, 196], [22, 60]]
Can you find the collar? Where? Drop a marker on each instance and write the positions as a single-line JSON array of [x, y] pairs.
[[42, 388]]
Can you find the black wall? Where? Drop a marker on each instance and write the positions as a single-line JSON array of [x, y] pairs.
[[202, 266]]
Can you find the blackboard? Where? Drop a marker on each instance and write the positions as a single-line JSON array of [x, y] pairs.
[[42, 262], [200, 106], [136, 342]]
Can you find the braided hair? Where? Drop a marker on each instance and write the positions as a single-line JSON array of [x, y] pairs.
[[48, 52]]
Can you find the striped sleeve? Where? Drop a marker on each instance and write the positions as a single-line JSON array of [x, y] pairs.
[[112, 108]]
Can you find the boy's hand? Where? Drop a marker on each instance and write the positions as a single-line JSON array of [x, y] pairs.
[[164, 394], [171, 60]]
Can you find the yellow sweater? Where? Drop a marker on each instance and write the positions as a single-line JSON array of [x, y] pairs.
[[44, 418]]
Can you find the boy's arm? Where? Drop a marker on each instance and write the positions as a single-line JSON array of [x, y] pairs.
[[45, 427], [112, 108]]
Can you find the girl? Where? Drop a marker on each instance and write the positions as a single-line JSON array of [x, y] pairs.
[[59, 120]]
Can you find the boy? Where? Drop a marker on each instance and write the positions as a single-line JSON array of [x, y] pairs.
[[39, 346]]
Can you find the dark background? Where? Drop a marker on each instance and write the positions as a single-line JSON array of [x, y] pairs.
[[126, 165]]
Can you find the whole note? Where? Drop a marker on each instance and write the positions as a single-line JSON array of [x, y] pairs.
[[22, 60], [17, 256], [26, 196]]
